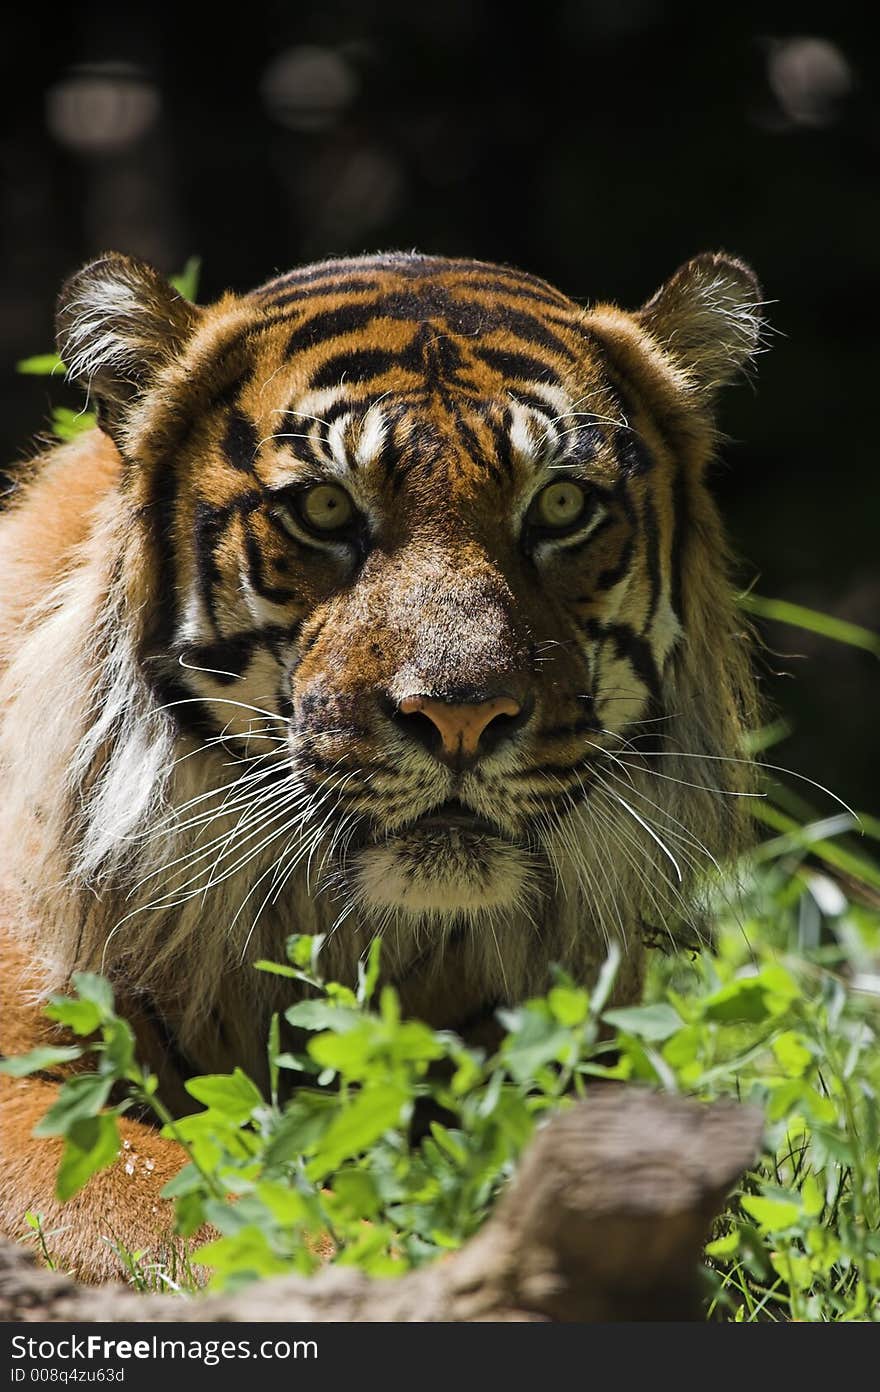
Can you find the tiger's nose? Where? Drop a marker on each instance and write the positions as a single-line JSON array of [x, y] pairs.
[[466, 729]]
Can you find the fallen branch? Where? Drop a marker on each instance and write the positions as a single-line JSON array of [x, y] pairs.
[[605, 1220]]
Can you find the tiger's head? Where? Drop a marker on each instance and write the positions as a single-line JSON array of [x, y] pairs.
[[415, 616]]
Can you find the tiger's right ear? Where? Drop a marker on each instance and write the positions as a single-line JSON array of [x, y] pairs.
[[117, 323]]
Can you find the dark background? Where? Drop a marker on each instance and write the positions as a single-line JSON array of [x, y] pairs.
[[597, 144]]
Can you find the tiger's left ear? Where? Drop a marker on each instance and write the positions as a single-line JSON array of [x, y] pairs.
[[707, 317], [117, 323]]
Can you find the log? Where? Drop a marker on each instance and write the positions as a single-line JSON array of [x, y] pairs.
[[605, 1220]]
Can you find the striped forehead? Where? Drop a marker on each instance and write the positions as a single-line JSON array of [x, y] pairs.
[[343, 437]]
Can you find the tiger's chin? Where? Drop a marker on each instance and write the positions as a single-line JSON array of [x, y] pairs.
[[440, 872]]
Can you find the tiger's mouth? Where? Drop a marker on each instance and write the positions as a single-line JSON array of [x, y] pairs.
[[448, 860], [452, 818]]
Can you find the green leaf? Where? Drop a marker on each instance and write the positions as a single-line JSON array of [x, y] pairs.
[[186, 1181], [538, 1039], [652, 1022], [413, 1042], [448, 1142], [355, 1194], [305, 1120], [234, 1096], [80, 1097], [606, 978], [771, 1215], [189, 1213], [812, 1197], [375, 1110], [349, 1054], [724, 1246], [318, 1015], [90, 1145], [285, 1203], [118, 1048], [569, 1004], [81, 1016], [246, 1255], [277, 969], [186, 282], [794, 1058], [67, 424], [744, 1000], [272, 1053], [793, 1268], [89, 986], [302, 949], [20, 1065], [42, 365]]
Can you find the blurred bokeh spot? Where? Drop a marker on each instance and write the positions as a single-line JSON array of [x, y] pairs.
[[102, 108], [810, 78], [308, 88]]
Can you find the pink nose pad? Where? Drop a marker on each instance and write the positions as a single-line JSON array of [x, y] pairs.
[[461, 726]]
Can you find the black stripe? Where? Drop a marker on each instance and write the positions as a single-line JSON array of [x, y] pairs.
[[551, 768], [533, 402], [680, 514], [331, 323], [481, 275], [518, 365], [228, 657], [612, 575], [558, 304], [564, 800], [632, 453], [358, 365], [278, 594], [527, 327], [190, 713], [211, 522], [500, 432], [576, 547], [303, 275], [586, 724], [240, 442], [652, 556], [159, 514], [323, 285], [632, 647]]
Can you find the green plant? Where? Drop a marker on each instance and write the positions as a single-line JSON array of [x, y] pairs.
[[780, 1012]]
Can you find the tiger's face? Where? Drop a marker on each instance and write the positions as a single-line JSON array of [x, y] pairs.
[[420, 540]]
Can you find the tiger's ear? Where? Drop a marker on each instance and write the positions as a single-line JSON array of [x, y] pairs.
[[707, 317], [117, 323]]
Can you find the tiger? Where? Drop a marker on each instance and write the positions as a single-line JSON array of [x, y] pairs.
[[388, 599]]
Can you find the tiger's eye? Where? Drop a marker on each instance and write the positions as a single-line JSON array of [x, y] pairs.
[[558, 505], [326, 507]]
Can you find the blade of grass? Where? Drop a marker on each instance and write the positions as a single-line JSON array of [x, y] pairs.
[[801, 617], [795, 835]]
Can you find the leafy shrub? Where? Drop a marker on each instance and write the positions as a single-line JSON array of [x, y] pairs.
[[783, 1012]]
